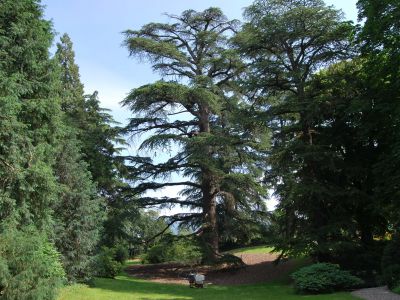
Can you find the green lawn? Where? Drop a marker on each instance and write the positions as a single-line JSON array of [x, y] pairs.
[[253, 250], [127, 288]]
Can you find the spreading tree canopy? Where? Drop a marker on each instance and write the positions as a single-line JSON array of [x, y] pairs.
[[286, 43], [198, 114], [380, 48]]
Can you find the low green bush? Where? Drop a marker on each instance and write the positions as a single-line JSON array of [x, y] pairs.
[[105, 263], [391, 263], [121, 253], [174, 250], [30, 266], [156, 254], [323, 278]]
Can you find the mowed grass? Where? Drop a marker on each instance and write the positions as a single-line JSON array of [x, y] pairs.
[[124, 287], [252, 250], [127, 288]]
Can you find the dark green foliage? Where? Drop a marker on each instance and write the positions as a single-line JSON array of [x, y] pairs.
[[78, 211], [130, 226], [30, 267], [172, 249], [92, 125], [243, 228], [321, 157], [29, 114], [323, 278], [101, 139], [30, 130], [121, 253], [380, 47], [45, 182], [71, 91], [156, 254], [105, 263], [391, 263]]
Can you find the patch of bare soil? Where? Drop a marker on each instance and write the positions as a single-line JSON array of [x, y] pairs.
[[258, 268]]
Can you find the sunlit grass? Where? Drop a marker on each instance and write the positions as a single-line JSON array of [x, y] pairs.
[[124, 287], [127, 288], [253, 250]]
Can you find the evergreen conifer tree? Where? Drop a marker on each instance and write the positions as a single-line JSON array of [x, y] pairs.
[[30, 115], [287, 42], [30, 130], [79, 211], [198, 112]]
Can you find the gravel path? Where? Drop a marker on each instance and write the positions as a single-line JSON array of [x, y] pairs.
[[378, 293]]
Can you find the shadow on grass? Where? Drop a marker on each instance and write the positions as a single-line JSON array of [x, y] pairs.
[[124, 287]]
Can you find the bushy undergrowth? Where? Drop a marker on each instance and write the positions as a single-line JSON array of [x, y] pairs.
[[30, 267], [323, 278], [391, 263], [172, 249], [106, 263], [121, 253]]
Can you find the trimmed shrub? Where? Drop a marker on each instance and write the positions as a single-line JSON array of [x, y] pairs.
[[105, 263], [30, 267], [323, 278], [391, 263]]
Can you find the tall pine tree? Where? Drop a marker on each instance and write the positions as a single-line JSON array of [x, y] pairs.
[[195, 112], [79, 211]]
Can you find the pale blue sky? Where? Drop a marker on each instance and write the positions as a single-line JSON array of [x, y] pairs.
[[95, 28]]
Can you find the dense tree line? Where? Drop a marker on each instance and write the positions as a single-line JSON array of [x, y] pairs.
[[58, 159], [296, 101], [298, 93]]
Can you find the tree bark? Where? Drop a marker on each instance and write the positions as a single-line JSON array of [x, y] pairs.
[[210, 226], [209, 189]]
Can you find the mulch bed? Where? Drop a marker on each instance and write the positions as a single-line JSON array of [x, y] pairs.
[[259, 268]]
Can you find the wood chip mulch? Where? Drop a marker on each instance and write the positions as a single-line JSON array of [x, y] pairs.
[[259, 268]]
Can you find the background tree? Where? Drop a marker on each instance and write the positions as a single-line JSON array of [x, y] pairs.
[[286, 43], [86, 168], [94, 127], [79, 213], [380, 47], [196, 113]]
